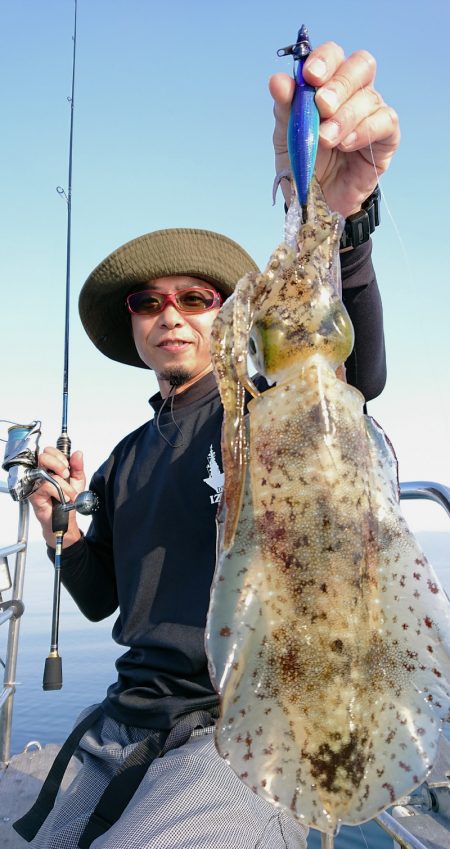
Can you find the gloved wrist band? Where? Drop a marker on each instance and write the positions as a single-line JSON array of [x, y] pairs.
[[360, 225]]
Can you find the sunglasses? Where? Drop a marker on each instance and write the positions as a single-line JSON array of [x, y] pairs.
[[195, 300]]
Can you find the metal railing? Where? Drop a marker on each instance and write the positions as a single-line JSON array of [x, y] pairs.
[[391, 827], [428, 491], [11, 611], [398, 832]]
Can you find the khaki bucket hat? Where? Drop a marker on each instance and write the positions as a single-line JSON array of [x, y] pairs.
[[163, 253]]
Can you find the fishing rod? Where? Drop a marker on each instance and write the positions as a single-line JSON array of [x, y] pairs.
[[86, 502], [52, 678], [63, 442], [21, 453]]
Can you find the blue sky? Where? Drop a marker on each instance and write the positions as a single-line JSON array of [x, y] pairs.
[[173, 127]]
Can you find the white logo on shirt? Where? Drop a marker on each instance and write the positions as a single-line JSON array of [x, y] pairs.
[[216, 477]]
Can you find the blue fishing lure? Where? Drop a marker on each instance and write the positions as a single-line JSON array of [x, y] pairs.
[[303, 128]]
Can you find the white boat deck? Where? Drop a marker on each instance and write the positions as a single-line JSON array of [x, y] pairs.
[[20, 783]]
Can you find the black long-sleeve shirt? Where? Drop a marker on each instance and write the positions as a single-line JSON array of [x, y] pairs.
[[150, 549]]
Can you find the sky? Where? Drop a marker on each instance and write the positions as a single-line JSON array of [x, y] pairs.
[[173, 126]]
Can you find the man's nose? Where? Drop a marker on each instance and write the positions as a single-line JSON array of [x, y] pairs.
[[170, 316]]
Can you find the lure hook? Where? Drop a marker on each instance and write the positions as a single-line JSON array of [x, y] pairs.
[[302, 47]]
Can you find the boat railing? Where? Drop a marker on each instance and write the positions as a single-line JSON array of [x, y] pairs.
[[12, 610], [427, 490]]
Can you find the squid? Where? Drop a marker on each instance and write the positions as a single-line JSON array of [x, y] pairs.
[[328, 633]]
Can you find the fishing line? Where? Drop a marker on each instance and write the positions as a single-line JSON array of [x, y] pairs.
[[390, 214], [424, 342], [6, 421], [363, 837]]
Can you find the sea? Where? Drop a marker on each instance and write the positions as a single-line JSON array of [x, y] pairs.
[[88, 656]]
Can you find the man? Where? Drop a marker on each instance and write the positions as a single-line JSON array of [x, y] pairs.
[[150, 550]]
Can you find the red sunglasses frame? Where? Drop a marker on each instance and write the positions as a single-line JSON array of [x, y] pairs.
[[171, 298]]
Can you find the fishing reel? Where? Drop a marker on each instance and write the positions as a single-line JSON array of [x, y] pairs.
[[24, 476], [20, 460]]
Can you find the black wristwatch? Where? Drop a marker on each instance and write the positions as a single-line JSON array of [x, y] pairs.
[[360, 225]]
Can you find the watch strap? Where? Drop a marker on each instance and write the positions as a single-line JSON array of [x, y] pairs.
[[360, 225]]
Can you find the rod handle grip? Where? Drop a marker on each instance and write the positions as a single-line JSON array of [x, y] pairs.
[[52, 678], [60, 519]]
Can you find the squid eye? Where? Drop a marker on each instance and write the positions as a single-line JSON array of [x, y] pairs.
[[252, 346]]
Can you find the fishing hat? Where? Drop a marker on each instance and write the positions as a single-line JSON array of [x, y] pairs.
[[163, 253]]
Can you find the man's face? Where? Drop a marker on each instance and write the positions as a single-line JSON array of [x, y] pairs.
[[172, 341]]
